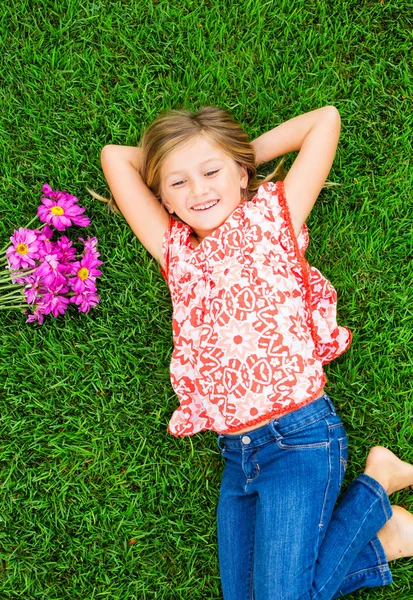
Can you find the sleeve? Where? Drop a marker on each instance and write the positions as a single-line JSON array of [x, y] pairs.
[[331, 339]]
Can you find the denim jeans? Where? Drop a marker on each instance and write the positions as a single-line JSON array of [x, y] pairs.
[[280, 535]]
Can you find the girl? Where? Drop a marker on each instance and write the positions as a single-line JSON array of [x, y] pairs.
[[253, 324]]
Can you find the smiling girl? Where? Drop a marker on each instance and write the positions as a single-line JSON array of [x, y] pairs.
[[253, 323]]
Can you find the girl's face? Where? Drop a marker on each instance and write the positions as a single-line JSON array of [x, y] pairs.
[[202, 185]]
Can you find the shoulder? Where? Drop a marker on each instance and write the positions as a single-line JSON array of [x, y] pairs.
[[272, 198], [270, 193], [269, 201]]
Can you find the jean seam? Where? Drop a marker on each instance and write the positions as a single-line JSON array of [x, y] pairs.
[[257, 470], [301, 446], [366, 570], [321, 524], [380, 495], [252, 552], [378, 559]]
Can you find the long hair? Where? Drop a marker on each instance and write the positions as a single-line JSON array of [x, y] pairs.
[[172, 129]]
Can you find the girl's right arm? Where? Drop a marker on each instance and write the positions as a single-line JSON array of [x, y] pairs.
[[142, 210]]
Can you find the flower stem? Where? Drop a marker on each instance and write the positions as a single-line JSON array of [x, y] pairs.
[[13, 307], [9, 298], [22, 273], [11, 286]]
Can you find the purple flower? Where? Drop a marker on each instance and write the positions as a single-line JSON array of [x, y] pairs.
[[85, 301], [51, 271], [44, 238], [85, 272], [49, 275], [60, 209], [36, 315], [90, 246], [32, 288], [25, 249], [55, 304], [65, 252]]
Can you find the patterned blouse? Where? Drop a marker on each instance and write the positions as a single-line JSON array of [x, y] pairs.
[[252, 322]]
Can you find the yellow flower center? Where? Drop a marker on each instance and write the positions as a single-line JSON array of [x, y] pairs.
[[83, 273], [22, 249], [57, 210]]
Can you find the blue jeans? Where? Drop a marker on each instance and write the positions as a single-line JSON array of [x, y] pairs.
[[280, 536]]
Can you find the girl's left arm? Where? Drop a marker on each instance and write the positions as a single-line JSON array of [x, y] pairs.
[[315, 135]]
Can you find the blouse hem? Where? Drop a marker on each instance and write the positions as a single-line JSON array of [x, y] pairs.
[[277, 412]]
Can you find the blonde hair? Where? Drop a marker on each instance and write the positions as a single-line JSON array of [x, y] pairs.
[[176, 127]]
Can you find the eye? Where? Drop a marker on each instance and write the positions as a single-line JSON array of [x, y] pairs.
[[178, 183], [210, 173]]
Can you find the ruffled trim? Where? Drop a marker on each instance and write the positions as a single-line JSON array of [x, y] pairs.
[[166, 250], [275, 413], [299, 257]]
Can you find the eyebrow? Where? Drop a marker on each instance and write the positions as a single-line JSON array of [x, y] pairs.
[[205, 162]]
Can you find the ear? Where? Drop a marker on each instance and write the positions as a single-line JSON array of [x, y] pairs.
[[168, 208], [243, 177]]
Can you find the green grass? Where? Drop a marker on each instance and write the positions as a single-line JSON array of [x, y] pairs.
[[97, 500]]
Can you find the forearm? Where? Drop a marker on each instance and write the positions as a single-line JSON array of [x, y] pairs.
[[290, 136]]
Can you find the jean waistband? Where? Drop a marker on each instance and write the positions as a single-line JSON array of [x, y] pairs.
[[315, 410]]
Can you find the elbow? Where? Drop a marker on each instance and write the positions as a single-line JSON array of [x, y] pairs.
[[332, 113], [332, 119], [106, 152]]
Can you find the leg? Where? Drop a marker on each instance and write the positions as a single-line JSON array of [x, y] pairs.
[[396, 536], [280, 481], [370, 568], [236, 527], [300, 477]]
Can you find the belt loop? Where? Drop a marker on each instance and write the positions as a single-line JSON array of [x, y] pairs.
[[273, 426], [219, 441], [330, 404]]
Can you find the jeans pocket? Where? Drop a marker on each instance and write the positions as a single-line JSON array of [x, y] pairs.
[[312, 436]]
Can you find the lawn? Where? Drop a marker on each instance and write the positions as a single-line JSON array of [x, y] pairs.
[[97, 500]]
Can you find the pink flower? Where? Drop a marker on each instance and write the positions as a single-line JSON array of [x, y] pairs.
[[51, 271], [85, 272], [25, 249], [36, 315], [65, 251], [49, 275], [86, 300], [55, 304], [60, 209], [44, 238], [90, 246], [32, 288]]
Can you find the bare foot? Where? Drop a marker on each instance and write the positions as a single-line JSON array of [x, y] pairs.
[[397, 534], [391, 472]]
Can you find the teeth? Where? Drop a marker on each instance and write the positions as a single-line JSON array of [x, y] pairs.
[[205, 206]]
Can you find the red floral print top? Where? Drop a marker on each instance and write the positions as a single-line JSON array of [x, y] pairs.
[[252, 322]]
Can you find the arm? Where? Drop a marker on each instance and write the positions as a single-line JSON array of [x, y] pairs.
[[315, 135], [142, 210]]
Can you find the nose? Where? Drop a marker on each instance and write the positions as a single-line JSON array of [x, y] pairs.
[[198, 187]]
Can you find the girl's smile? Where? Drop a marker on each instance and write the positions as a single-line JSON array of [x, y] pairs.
[[202, 185]]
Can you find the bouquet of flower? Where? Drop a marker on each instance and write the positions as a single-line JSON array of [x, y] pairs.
[[49, 274]]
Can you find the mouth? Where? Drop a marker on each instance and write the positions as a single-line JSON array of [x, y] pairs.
[[205, 205]]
